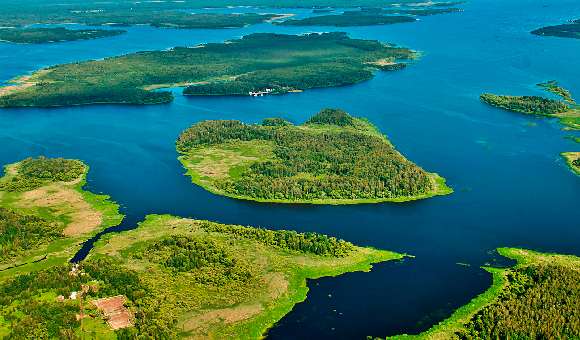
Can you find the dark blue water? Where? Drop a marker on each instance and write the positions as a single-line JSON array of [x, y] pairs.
[[511, 186]]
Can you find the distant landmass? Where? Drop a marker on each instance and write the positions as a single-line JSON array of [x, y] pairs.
[[565, 30], [45, 35]]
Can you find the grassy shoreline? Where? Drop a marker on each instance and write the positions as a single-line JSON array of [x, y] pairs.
[[570, 157]]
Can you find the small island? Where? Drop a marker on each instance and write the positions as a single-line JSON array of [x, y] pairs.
[[539, 298], [45, 215], [57, 34], [262, 63], [174, 278], [332, 158], [565, 31], [566, 109], [573, 161]]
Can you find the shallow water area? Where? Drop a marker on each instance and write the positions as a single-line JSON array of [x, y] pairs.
[[512, 187]]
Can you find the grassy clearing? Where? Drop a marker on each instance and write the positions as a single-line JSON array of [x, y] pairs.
[[80, 214], [447, 328], [206, 311]]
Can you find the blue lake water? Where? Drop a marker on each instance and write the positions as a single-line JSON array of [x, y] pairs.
[[512, 187]]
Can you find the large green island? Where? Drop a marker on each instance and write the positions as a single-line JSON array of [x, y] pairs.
[[46, 35], [332, 158], [262, 63], [539, 298]]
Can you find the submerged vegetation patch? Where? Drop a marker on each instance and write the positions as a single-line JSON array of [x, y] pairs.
[[333, 158]]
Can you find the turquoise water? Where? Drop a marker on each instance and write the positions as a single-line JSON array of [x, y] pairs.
[[511, 186]]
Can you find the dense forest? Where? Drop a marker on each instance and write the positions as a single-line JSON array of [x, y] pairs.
[[565, 30], [207, 261], [282, 62], [43, 35], [286, 240], [542, 301], [33, 172], [34, 317], [313, 164], [526, 104], [20, 233]]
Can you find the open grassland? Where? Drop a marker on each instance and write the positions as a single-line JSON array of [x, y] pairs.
[[336, 159], [513, 289], [205, 307], [69, 214], [257, 62]]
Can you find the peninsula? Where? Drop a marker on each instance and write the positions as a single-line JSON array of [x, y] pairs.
[[573, 161], [566, 109], [258, 62], [175, 278], [46, 35], [332, 158], [565, 30], [45, 215], [539, 298]]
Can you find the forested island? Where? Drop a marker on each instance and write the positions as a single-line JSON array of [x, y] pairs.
[[176, 278], [45, 35], [539, 298], [368, 16], [565, 109], [45, 215], [566, 30], [332, 158], [257, 62]]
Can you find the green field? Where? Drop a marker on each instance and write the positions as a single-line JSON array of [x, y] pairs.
[[333, 158], [256, 62]]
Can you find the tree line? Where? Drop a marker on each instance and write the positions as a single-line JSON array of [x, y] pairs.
[[526, 104], [287, 240]]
